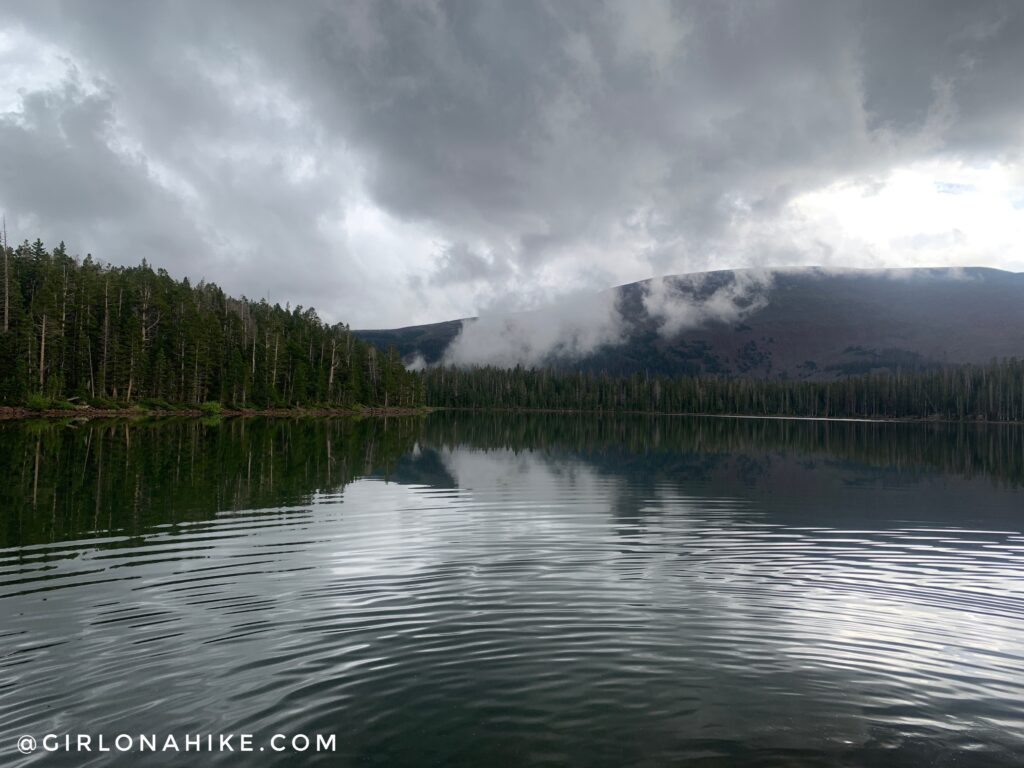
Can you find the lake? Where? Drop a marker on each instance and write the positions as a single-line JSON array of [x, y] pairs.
[[502, 589]]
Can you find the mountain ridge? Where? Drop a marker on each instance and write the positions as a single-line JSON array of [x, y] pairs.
[[803, 322]]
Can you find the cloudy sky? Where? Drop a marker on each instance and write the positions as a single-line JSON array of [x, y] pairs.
[[401, 162]]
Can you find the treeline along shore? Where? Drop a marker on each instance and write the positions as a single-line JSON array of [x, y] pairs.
[[81, 333], [80, 336], [992, 392]]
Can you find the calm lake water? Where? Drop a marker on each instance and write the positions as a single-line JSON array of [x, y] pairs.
[[517, 590]]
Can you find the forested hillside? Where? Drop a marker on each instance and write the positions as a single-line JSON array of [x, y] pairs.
[[992, 392], [79, 329]]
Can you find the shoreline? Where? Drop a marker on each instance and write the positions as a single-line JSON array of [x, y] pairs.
[[10, 413], [21, 413], [770, 417]]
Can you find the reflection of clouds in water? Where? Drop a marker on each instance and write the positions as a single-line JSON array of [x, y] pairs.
[[501, 496], [675, 576], [652, 603]]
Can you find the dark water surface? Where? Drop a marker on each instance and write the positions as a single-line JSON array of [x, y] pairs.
[[517, 590]]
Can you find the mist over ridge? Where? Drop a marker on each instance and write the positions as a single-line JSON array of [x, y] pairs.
[[787, 322]]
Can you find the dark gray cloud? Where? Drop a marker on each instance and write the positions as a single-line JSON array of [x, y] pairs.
[[459, 263], [393, 162]]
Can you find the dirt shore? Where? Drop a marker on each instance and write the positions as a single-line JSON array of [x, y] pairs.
[[8, 414]]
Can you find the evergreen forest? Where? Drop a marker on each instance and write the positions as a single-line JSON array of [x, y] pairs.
[[993, 392], [79, 331]]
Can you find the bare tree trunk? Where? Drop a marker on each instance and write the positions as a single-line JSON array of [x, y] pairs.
[[273, 374], [64, 303], [146, 292], [7, 282], [42, 356], [131, 375], [92, 381], [63, 349], [106, 335], [330, 376]]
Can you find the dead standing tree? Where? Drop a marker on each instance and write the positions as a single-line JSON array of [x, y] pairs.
[[7, 281]]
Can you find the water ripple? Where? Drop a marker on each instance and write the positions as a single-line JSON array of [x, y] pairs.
[[543, 613]]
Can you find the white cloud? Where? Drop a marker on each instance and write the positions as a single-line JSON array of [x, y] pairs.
[[573, 327], [681, 304], [909, 218], [29, 64]]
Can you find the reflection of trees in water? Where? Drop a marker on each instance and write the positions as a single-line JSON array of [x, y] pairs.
[[797, 471], [693, 445], [65, 481]]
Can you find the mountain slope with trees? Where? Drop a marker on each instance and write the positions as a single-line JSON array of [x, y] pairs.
[[781, 324]]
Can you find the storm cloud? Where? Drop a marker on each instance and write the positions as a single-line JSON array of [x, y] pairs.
[[402, 162]]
